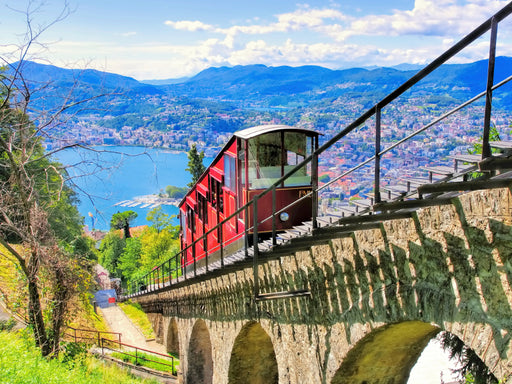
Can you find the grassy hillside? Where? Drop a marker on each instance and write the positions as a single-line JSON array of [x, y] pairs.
[[21, 363]]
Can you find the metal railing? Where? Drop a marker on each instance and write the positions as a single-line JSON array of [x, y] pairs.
[[88, 335], [172, 271], [140, 355]]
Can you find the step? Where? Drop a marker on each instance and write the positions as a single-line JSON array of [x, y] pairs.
[[505, 146], [362, 203], [416, 181], [440, 170]]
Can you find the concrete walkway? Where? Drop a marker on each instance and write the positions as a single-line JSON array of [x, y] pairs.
[[119, 322]]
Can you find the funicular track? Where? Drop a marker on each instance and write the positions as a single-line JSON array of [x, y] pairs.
[[441, 183]]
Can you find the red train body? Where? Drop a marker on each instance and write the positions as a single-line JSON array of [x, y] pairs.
[[251, 161]]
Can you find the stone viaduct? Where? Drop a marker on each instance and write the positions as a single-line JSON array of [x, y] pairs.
[[377, 296]]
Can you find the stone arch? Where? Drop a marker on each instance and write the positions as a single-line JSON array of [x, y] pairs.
[[200, 361], [386, 355], [253, 360], [173, 343]]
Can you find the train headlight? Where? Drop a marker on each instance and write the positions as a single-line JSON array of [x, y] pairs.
[[284, 216]]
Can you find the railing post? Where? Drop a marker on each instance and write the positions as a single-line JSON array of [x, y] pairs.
[[376, 185], [246, 230], [221, 246], [274, 224], [486, 149], [314, 192], [255, 247], [205, 247], [194, 255], [169, 269]]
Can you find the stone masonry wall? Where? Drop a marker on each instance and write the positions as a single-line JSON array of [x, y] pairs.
[[448, 267]]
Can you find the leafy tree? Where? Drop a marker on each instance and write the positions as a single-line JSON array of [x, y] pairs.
[[157, 247], [129, 262], [111, 250], [40, 228], [471, 365], [159, 218], [195, 164], [176, 192], [122, 220]]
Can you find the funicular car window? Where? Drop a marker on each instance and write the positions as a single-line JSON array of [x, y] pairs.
[[230, 172], [297, 147], [265, 158], [216, 197], [202, 212]]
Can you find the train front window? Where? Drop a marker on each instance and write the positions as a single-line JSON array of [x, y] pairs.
[[274, 154], [265, 158]]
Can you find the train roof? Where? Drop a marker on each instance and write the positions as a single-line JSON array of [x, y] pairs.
[[262, 129]]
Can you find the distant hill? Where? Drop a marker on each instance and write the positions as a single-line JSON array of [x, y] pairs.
[[260, 86], [259, 82], [38, 74]]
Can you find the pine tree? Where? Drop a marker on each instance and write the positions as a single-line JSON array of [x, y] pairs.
[[195, 164]]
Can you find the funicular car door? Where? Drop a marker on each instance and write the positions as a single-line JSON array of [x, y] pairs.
[[215, 205], [230, 200], [189, 230]]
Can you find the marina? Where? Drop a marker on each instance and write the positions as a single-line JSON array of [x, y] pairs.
[[147, 201]]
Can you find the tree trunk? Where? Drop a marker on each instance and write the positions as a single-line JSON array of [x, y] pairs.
[[36, 316], [127, 230], [60, 300]]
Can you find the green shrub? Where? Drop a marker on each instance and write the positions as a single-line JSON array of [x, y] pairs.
[[22, 363], [7, 325], [148, 360]]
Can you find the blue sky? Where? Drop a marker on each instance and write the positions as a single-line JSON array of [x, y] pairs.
[[160, 39]]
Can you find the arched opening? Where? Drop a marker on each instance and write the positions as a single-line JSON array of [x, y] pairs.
[[253, 360], [173, 343], [200, 362], [386, 355]]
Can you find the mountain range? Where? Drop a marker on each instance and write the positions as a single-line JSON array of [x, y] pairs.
[[258, 84], [221, 100]]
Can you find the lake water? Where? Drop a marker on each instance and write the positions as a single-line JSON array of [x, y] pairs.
[[109, 175]]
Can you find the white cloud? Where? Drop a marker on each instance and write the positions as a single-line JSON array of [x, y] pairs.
[[191, 26], [431, 26]]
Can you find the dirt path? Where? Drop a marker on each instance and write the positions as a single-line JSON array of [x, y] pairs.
[[119, 322]]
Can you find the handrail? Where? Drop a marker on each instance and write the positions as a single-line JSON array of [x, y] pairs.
[[104, 344], [490, 24], [97, 333]]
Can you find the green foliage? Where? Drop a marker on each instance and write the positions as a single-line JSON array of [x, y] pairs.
[[148, 360], [494, 135], [195, 164], [111, 249], [472, 368], [7, 325], [176, 192], [122, 220], [85, 247], [129, 262], [131, 258], [22, 363], [159, 218]]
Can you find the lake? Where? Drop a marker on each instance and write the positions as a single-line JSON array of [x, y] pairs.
[[108, 175]]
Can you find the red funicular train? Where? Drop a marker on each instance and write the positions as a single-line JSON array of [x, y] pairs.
[[251, 161]]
